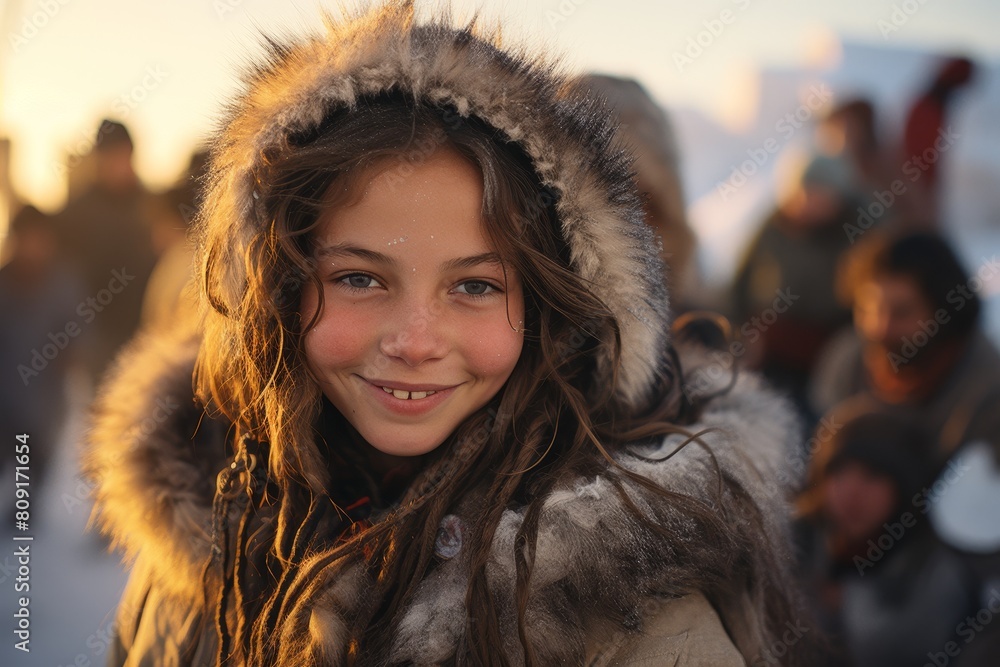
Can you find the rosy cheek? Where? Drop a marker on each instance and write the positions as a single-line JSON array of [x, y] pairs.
[[341, 335], [493, 350]]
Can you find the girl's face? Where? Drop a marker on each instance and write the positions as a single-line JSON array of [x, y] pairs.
[[418, 328]]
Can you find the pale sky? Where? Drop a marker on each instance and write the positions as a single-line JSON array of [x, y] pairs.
[[167, 68]]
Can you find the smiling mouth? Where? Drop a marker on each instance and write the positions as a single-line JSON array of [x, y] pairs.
[[408, 395]]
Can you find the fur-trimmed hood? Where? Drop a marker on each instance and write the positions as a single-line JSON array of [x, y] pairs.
[[568, 134], [154, 457]]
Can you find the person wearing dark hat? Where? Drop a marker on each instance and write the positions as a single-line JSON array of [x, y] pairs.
[[888, 590], [105, 236]]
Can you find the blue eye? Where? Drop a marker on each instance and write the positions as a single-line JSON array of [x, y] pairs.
[[359, 281], [476, 288]]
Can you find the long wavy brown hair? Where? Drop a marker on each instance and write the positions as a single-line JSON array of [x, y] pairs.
[[550, 423]]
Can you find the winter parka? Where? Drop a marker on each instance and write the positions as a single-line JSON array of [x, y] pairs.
[[155, 457]]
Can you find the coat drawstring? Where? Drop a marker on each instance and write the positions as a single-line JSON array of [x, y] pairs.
[[237, 483]]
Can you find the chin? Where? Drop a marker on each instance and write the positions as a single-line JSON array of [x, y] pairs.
[[400, 446]]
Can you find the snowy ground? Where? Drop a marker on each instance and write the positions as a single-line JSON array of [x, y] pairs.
[[75, 584]]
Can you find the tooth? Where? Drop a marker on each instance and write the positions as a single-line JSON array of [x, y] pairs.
[[387, 390], [418, 395], [400, 394]]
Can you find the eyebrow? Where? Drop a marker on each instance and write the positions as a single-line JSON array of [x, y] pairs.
[[341, 249], [356, 251], [474, 260]]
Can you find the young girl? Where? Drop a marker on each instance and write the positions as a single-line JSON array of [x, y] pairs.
[[437, 418]]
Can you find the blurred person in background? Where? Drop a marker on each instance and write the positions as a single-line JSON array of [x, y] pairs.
[[917, 352], [888, 591], [850, 132], [168, 294], [783, 300], [916, 348], [926, 136], [107, 239], [39, 335], [646, 129]]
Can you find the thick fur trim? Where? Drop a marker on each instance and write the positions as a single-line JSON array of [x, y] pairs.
[[566, 132], [153, 462]]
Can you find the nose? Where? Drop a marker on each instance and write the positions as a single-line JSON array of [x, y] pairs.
[[883, 328], [415, 336], [872, 320]]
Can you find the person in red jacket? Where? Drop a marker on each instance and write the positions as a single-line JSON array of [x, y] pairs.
[[926, 137]]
